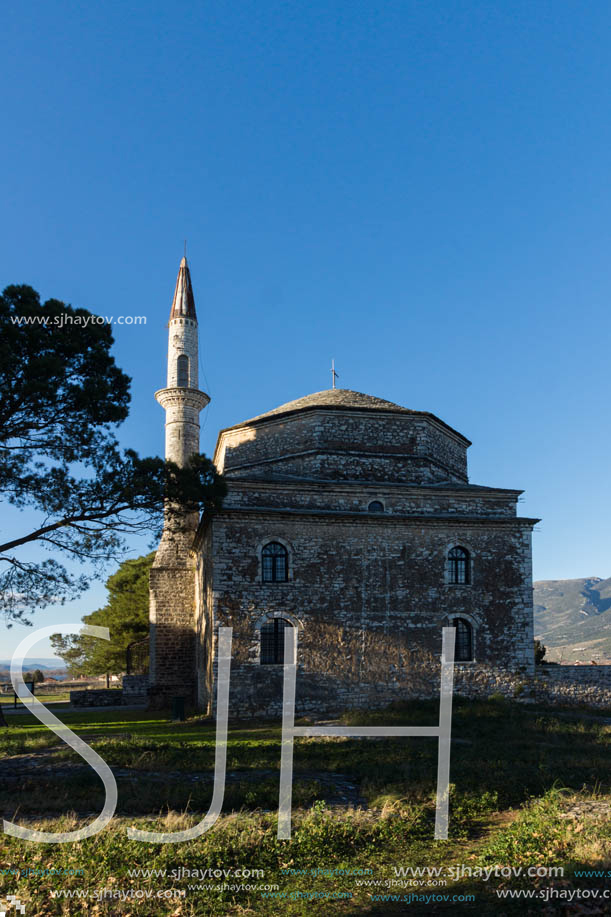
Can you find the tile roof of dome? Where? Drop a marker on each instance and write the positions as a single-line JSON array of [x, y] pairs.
[[335, 398]]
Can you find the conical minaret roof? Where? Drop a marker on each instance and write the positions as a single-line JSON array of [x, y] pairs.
[[183, 304]]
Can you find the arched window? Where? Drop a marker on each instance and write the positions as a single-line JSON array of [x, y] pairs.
[[272, 641], [182, 371], [275, 563], [375, 507], [458, 566], [463, 648]]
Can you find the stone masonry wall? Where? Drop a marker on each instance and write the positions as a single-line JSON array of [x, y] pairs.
[[370, 597], [203, 620], [455, 500], [182, 339], [97, 697], [588, 685], [172, 621], [350, 466], [367, 445], [574, 684], [182, 407], [135, 689], [324, 695]]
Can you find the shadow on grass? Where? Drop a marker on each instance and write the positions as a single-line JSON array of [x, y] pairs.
[[502, 754]]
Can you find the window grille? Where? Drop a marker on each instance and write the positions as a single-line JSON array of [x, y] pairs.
[[274, 559], [272, 641], [463, 651], [458, 566]]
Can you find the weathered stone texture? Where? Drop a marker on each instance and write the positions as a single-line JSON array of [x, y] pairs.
[[346, 445], [551, 684], [203, 620], [574, 684], [135, 689], [439, 499], [97, 697], [182, 407], [369, 597], [172, 614]]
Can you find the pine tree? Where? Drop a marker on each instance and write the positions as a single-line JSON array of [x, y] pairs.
[[61, 397], [126, 616]]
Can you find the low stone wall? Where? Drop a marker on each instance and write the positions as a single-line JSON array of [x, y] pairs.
[[574, 684], [135, 689], [102, 697], [257, 691], [586, 685]]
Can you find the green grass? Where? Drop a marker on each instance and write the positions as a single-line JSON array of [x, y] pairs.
[[513, 769], [43, 698]]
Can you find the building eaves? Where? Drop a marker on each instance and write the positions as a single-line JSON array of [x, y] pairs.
[[382, 518], [271, 481]]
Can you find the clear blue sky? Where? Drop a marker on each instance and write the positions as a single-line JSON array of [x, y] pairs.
[[420, 190]]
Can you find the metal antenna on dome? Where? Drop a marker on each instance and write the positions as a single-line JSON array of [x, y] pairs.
[[334, 375]]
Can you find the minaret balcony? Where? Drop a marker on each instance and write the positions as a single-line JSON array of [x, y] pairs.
[[183, 397]]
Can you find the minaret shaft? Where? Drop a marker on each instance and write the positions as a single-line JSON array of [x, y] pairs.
[[181, 399], [182, 407]]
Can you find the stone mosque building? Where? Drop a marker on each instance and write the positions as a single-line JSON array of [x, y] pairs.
[[352, 519]]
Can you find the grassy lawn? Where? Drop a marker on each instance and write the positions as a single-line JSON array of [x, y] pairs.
[[529, 788], [43, 698]]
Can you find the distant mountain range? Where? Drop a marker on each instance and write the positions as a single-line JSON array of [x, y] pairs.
[[573, 619], [41, 664]]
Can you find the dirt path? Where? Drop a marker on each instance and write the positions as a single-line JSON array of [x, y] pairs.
[[339, 789]]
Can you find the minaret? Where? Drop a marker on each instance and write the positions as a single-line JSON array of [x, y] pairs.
[[182, 399], [173, 579]]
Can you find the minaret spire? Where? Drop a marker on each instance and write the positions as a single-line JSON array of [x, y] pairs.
[[183, 304], [182, 398]]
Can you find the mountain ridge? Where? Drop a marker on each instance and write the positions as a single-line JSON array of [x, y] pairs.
[[573, 619], [41, 663]]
